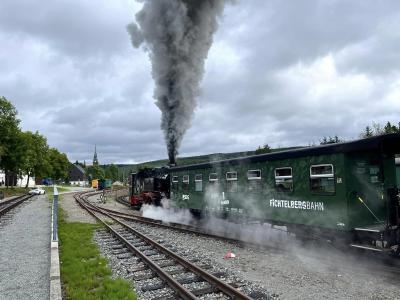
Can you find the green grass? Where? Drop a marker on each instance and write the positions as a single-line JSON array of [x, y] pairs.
[[84, 273], [50, 189], [13, 191]]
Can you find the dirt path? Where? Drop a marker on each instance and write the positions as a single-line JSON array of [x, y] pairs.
[[74, 212]]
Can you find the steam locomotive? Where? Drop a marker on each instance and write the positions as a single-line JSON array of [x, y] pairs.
[[347, 191]]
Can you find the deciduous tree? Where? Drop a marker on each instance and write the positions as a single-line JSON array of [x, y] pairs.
[[111, 172], [94, 172], [263, 149], [9, 137], [59, 164], [35, 157]]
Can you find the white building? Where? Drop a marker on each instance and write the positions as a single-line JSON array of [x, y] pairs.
[[21, 182], [77, 176], [2, 178]]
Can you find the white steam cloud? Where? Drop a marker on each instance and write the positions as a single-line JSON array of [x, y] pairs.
[[177, 34]]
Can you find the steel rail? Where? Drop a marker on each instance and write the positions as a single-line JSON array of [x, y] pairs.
[[391, 262], [176, 286], [211, 279], [388, 264], [10, 204], [184, 228]]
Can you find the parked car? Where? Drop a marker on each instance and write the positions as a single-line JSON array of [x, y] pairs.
[[37, 191]]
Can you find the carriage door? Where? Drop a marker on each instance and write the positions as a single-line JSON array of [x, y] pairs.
[[367, 201]]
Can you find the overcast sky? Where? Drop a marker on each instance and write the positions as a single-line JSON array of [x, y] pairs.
[[279, 72]]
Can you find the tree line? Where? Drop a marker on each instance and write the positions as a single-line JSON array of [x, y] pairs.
[[369, 131], [26, 152], [102, 172]]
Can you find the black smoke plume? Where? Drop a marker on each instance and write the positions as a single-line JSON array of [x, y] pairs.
[[177, 34]]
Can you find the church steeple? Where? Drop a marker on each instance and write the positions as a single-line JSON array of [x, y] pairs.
[[95, 161]]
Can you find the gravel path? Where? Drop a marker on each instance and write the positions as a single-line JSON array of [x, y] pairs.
[[73, 211], [114, 205], [25, 251]]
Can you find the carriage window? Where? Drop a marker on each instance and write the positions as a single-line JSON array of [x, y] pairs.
[[231, 176], [254, 180], [375, 174], [231, 182], [254, 174], [185, 183], [198, 182], [175, 179], [284, 179], [213, 177], [322, 179]]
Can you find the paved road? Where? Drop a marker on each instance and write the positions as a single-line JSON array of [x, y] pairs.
[[25, 251]]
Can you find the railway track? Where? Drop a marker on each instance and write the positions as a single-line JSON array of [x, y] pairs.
[[6, 206], [381, 263], [162, 265], [233, 237]]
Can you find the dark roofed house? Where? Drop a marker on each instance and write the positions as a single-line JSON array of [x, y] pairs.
[[77, 175]]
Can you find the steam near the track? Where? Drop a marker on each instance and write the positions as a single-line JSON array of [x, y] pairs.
[[262, 234], [177, 34]]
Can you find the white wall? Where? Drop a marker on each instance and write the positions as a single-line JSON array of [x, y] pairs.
[[79, 183], [20, 182], [2, 176]]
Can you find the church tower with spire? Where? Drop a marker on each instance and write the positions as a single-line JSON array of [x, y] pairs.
[[95, 161]]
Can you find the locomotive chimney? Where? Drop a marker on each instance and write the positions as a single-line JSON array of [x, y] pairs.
[[172, 160]]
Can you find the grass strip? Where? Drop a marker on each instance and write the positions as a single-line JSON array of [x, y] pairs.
[[13, 191], [84, 273], [50, 189]]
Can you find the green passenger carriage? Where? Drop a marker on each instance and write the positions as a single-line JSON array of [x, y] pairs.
[[349, 188]]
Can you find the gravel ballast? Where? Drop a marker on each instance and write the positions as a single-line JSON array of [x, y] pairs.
[[144, 287], [287, 270], [25, 251], [290, 270], [296, 272]]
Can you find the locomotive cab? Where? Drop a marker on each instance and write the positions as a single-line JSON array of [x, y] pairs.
[[149, 186]]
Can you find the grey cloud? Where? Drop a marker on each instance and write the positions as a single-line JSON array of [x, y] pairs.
[[79, 28], [379, 54], [279, 33], [69, 69]]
